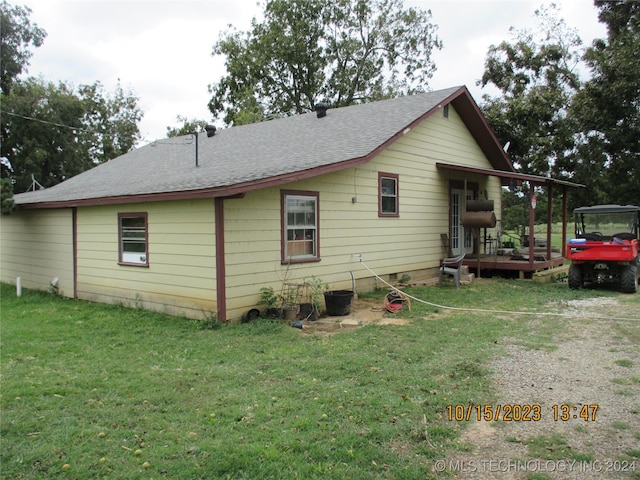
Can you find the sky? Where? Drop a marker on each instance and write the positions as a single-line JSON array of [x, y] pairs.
[[162, 50]]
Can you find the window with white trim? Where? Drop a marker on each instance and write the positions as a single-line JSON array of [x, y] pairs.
[[133, 239], [300, 226]]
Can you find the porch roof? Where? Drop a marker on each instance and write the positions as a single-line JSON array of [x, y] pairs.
[[504, 175]]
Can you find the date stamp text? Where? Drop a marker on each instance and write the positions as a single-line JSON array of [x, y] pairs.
[[521, 412]]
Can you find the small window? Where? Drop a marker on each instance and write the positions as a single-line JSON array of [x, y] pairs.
[[388, 195], [133, 239], [300, 227]]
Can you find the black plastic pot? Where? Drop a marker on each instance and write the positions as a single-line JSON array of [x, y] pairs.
[[250, 315], [308, 311], [338, 302]]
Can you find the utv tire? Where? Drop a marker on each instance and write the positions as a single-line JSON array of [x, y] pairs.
[[629, 279], [575, 277]]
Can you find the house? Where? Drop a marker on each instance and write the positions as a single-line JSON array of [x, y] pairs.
[[198, 224]]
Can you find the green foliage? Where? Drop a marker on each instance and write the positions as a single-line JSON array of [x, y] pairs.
[[515, 212], [624, 363], [554, 447], [17, 34], [7, 195], [560, 126], [341, 52], [110, 121], [314, 290], [211, 321], [536, 76], [54, 132], [268, 297], [188, 127], [50, 131], [515, 209], [608, 109]]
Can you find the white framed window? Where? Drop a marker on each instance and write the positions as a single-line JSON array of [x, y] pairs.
[[133, 239], [300, 226]]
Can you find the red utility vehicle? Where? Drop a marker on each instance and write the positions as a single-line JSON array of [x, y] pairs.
[[605, 247]]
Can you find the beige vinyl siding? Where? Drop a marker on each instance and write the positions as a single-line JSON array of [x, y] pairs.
[[37, 246], [180, 278], [408, 244], [252, 247]]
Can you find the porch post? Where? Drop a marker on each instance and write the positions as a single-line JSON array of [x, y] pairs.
[[532, 218], [549, 219], [564, 221]]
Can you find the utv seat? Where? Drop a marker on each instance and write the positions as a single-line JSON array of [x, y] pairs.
[[625, 236]]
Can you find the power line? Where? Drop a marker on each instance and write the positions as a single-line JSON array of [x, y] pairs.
[[43, 121]]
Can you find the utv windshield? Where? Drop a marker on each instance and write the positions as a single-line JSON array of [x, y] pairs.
[[606, 224]]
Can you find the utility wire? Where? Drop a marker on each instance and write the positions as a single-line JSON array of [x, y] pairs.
[[43, 121], [482, 310]]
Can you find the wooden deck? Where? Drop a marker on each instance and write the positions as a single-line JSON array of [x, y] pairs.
[[492, 264]]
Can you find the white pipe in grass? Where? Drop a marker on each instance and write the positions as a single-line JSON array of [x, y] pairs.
[[19, 286]]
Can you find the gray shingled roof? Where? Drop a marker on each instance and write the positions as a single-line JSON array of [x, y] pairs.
[[245, 154]]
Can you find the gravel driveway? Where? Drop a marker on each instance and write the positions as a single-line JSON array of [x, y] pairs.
[[592, 367]]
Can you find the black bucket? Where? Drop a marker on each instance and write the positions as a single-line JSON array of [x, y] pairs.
[[338, 302], [308, 311]]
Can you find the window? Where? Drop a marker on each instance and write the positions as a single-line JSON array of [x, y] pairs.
[[300, 226], [133, 239], [388, 195]]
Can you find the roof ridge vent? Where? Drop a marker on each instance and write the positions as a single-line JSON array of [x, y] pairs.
[[211, 130], [321, 109]]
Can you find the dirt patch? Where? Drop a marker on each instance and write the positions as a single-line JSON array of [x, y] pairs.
[[364, 312], [593, 369]]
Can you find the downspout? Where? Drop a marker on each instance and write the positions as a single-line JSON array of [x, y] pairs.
[[221, 276], [74, 235]]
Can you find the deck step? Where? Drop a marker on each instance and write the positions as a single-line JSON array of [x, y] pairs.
[[547, 276]]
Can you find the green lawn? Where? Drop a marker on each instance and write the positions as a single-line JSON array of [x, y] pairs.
[[92, 391]]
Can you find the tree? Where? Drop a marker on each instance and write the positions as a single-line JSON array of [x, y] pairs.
[[110, 122], [608, 109], [17, 34], [537, 79], [49, 131], [188, 126], [53, 132], [338, 51], [6, 196]]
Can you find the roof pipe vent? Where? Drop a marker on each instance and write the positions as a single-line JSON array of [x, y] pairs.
[[211, 130], [321, 109]]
